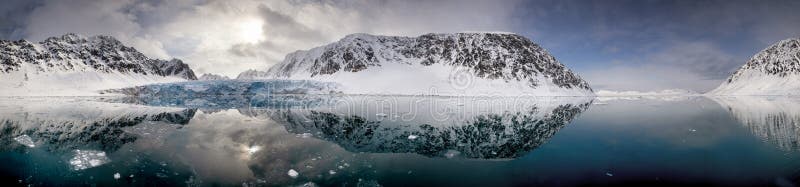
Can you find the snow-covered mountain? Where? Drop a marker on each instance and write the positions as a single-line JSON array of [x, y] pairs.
[[773, 71], [75, 65], [432, 64], [209, 76]]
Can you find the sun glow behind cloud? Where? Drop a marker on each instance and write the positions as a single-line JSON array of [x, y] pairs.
[[251, 30]]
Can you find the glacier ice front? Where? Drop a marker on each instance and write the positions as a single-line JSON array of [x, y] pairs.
[[229, 87]]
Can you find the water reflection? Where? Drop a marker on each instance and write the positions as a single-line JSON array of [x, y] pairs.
[[67, 124], [493, 135], [487, 128], [774, 119], [291, 140]]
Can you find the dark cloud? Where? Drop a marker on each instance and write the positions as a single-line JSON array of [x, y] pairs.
[[283, 25], [705, 39], [13, 14]]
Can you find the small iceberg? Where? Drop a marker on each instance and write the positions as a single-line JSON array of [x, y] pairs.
[[305, 135], [85, 159], [292, 173], [25, 140]]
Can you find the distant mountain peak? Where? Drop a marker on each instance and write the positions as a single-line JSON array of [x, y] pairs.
[[209, 76]]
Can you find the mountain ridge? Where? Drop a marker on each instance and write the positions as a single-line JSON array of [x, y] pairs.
[[458, 63], [84, 63]]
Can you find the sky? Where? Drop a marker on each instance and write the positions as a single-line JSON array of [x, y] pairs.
[[640, 45]]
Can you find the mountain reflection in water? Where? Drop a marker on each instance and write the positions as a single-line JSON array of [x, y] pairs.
[[491, 128], [398, 141], [774, 119]]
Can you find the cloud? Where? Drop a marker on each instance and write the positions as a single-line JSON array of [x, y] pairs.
[[647, 78], [701, 58], [698, 66], [227, 37], [87, 17], [11, 26], [701, 40]]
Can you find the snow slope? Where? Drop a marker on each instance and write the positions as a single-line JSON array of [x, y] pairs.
[[500, 64], [773, 71], [77, 65]]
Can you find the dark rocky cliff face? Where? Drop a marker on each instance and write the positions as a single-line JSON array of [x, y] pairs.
[[72, 52]]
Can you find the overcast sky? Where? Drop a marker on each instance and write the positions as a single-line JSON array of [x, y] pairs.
[[613, 44]]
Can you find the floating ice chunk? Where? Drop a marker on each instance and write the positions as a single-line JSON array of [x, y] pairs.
[[308, 184], [331, 172], [305, 135], [451, 153], [161, 175], [85, 159], [196, 87], [693, 130], [292, 173], [25, 140], [412, 137], [117, 175]]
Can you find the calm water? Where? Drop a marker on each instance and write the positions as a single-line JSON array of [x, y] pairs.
[[399, 141]]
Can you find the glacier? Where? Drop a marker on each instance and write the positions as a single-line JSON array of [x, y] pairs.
[[197, 89]]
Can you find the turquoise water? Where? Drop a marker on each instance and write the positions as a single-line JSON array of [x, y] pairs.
[[400, 141]]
